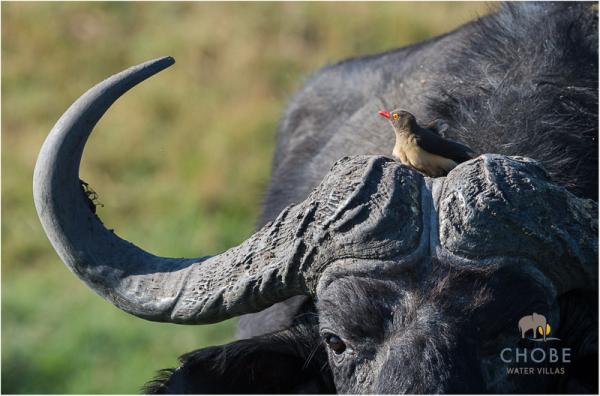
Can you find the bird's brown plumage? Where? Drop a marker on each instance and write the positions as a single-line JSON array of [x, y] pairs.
[[422, 148]]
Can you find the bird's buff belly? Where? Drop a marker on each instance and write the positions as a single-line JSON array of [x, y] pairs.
[[425, 162]]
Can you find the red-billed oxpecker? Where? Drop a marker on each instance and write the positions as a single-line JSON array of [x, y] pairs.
[[423, 148]]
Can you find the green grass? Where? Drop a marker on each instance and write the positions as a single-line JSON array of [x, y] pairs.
[[180, 163]]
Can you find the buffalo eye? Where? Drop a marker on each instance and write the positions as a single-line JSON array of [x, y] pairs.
[[335, 343]]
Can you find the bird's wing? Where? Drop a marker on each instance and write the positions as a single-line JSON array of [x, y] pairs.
[[438, 127], [435, 144]]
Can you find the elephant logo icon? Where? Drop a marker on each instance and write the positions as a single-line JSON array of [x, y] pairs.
[[537, 324]]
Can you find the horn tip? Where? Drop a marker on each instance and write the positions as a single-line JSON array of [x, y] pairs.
[[169, 60], [162, 63]]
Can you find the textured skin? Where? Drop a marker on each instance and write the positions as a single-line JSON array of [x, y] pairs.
[[532, 220], [396, 218]]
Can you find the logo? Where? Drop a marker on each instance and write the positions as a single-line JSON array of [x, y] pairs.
[[546, 359], [538, 325]]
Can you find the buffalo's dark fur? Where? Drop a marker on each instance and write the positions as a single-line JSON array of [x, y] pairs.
[[290, 360], [521, 81], [526, 84], [431, 337]]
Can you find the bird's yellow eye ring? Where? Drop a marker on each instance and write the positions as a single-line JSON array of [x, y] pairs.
[[396, 116]]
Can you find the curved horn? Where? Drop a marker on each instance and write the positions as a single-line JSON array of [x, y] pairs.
[[247, 278]]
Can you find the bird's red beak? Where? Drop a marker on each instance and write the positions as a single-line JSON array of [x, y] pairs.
[[385, 114]]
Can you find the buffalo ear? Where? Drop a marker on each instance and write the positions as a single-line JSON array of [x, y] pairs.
[[282, 362]]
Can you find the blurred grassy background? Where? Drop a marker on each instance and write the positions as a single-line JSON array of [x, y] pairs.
[[180, 163]]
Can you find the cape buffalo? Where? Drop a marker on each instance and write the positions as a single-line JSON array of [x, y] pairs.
[[364, 276]]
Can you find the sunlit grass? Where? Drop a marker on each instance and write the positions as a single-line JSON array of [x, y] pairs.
[[180, 163]]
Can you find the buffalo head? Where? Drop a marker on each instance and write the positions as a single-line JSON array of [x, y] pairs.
[[410, 275]]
